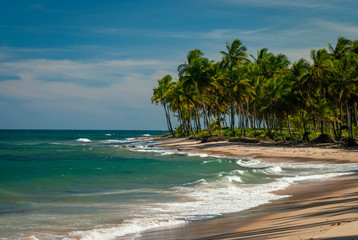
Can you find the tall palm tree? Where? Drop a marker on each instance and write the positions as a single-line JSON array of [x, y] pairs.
[[159, 96], [299, 76], [194, 75], [319, 78], [217, 90], [240, 88], [278, 99], [235, 55]]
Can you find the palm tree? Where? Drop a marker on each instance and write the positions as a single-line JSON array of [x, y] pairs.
[[236, 54], [299, 76], [217, 90], [159, 96], [194, 75], [341, 48], [345, 82], [278, 99], [319, 78]]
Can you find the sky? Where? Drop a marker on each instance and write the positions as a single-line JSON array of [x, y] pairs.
[[93, 64]]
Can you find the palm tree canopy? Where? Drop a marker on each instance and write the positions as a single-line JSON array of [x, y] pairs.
[[236, 53], [341, 48]]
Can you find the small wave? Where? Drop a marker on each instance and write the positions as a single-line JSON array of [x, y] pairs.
[[31, 238], [203, 155], [291, 180], [248, 163], [234, 179], [165, 153], [146, 135], [113, 141], [200, 181], [212, 161], [120, 192], [108, 134], [128, 226], [86, 140], [273, 170]]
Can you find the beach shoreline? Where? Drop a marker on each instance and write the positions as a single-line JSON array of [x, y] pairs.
[[315, 210]]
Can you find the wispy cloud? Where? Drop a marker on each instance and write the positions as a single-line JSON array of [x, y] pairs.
[[317, 4], [76, 85], [83, 73], [207, 35]]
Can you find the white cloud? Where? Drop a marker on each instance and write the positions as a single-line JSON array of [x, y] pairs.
[[52, 83]]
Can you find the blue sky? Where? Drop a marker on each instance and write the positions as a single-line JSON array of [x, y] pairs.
[[93, 64]]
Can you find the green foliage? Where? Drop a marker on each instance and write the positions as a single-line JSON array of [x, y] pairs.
[[307, 98]]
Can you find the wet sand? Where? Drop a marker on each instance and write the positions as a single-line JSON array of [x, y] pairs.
[[315, 210]]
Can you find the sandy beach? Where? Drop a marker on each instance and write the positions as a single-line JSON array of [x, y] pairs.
[[315, 210]]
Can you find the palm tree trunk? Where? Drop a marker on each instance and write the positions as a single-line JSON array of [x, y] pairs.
[[350, 132], [305, 135], [334, 124], [206, 122], [341, 120], [218, 113], [168, 120], [182, 119], [243, 130], [239, 117], [189, 120], [314, 122], [356, 113], [247, 114], [254, 119], [330, 131], [198, 118], [232, 117], [289, 126], [283, 139]]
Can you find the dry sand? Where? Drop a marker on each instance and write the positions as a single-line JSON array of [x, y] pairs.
[[327, 210], [268, 151]]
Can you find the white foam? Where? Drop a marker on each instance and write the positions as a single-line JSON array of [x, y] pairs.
[[113, 141], [234, 179], [249, 163], [203, 155], [200, 181], [31, 238], [108, 134], [212, 161], [129, 226], [291, 180], [164, 153], [273, 169], [207, 200], [86, 140], [146, 135]]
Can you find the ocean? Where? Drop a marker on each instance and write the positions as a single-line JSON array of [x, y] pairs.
[[105, 184]]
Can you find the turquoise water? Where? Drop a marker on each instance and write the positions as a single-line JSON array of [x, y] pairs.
[[107, 185]]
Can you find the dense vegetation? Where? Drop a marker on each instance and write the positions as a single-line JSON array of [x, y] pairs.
[[268, 96]]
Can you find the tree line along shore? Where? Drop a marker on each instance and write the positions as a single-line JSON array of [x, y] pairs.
[[265, 96]]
